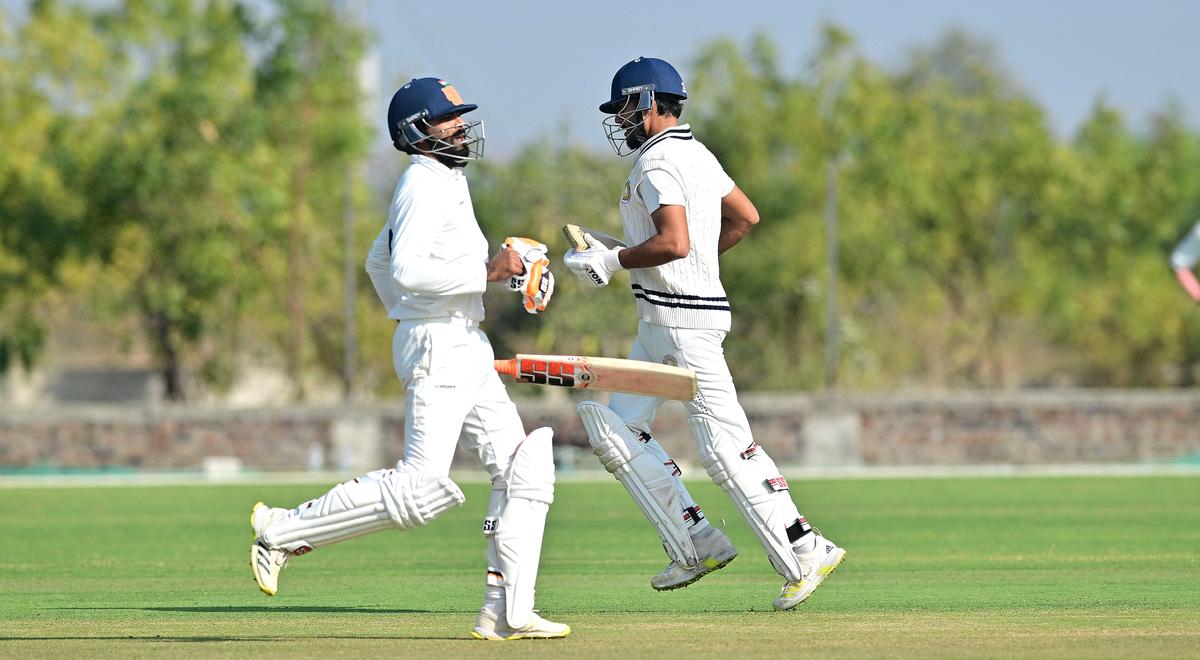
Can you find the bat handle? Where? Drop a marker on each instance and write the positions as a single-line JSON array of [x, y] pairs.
[[507, 367]]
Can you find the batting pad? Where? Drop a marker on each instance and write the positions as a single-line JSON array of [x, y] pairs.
[[648, 481], [753, 482], [515, 523], [378, 500]]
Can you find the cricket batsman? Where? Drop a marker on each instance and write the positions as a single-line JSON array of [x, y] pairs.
[[680, 210], [429, 266]]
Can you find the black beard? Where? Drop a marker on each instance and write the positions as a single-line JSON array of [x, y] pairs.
[[636, 136], [456, 157]]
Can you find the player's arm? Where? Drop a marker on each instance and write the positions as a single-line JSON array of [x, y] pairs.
[[1187, 279], [662, 192], [738, 215], [378, 267], [670, 243], [415, 266]]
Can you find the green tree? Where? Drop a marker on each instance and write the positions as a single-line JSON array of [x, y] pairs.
[[54, 91], [172, 162], [767, 132], [307, 102], [973, 158], [1108, 297]]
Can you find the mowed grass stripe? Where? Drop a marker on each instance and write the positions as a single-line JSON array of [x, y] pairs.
[[999, 567]]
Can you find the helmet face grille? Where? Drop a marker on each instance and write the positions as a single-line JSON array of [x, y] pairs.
[[471, 148], [625, 129]]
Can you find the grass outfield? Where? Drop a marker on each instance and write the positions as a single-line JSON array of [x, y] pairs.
[[1004, 567]]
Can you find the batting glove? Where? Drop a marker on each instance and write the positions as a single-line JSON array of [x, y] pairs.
[[536, 283], [596, 264]]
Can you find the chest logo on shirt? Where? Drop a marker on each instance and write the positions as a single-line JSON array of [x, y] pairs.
[[625, 194]]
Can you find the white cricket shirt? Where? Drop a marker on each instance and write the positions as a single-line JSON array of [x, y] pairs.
[[673, 167], [430, 259], [1187, 253]]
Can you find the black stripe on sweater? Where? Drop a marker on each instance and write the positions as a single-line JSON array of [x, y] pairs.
[[679, 296], [682, 305]]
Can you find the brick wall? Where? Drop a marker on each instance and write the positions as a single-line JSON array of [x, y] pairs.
[[977, 428]]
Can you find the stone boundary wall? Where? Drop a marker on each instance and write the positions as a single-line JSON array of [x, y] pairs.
[[929, 429]]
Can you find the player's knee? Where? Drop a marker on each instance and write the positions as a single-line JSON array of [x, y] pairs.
[[419, 466], [718, 450], [414, 498], [531, 473], [612, 441]]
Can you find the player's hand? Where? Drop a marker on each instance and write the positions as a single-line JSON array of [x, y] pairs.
[[503, 266], [596, 264], [535, 282], [528, 252]]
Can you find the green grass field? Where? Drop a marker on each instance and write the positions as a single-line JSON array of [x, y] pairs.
[[1005, 567]]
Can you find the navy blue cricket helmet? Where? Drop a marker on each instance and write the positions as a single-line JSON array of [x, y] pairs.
[[640, 79], [645, 74], [419, 102]]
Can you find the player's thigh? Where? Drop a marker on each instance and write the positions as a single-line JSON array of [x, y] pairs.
[[432, 425], [637, 411], [437, 391], [702, 352], [492, 427]]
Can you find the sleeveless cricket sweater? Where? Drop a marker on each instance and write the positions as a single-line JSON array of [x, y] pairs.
[[673, 168]]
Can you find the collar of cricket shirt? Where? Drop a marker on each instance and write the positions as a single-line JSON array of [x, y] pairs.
[[680, 132], [437, 166]]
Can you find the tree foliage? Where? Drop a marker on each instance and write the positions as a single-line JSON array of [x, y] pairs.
[[194, 158]]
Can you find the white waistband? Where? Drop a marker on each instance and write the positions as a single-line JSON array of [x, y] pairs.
[[452, 320]]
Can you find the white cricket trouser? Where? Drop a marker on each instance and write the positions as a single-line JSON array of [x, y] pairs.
[[722, 433], [698, 350], [452, 391]]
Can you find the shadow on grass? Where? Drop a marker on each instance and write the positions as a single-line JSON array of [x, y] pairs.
[[281, 609], [212, 638]]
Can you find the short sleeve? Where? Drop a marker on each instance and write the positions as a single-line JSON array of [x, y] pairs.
[[661, 187], [724, 184], [1187, 253]]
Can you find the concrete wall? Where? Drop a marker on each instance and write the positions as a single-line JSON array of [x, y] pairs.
[[978, 428]]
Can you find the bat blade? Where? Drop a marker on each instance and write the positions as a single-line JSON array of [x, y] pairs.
[[606, 374]]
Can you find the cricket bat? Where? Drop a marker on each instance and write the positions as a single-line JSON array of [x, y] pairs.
[[574, 234], [607, 374]]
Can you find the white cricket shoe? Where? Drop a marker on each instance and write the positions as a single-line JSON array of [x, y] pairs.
[[265, 560], [491, 625], [715, 551], [815, 566]]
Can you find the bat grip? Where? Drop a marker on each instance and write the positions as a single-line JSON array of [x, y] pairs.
[[506, 367]]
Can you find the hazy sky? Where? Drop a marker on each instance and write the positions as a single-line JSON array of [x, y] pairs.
[[539, 65], [534, 66]]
